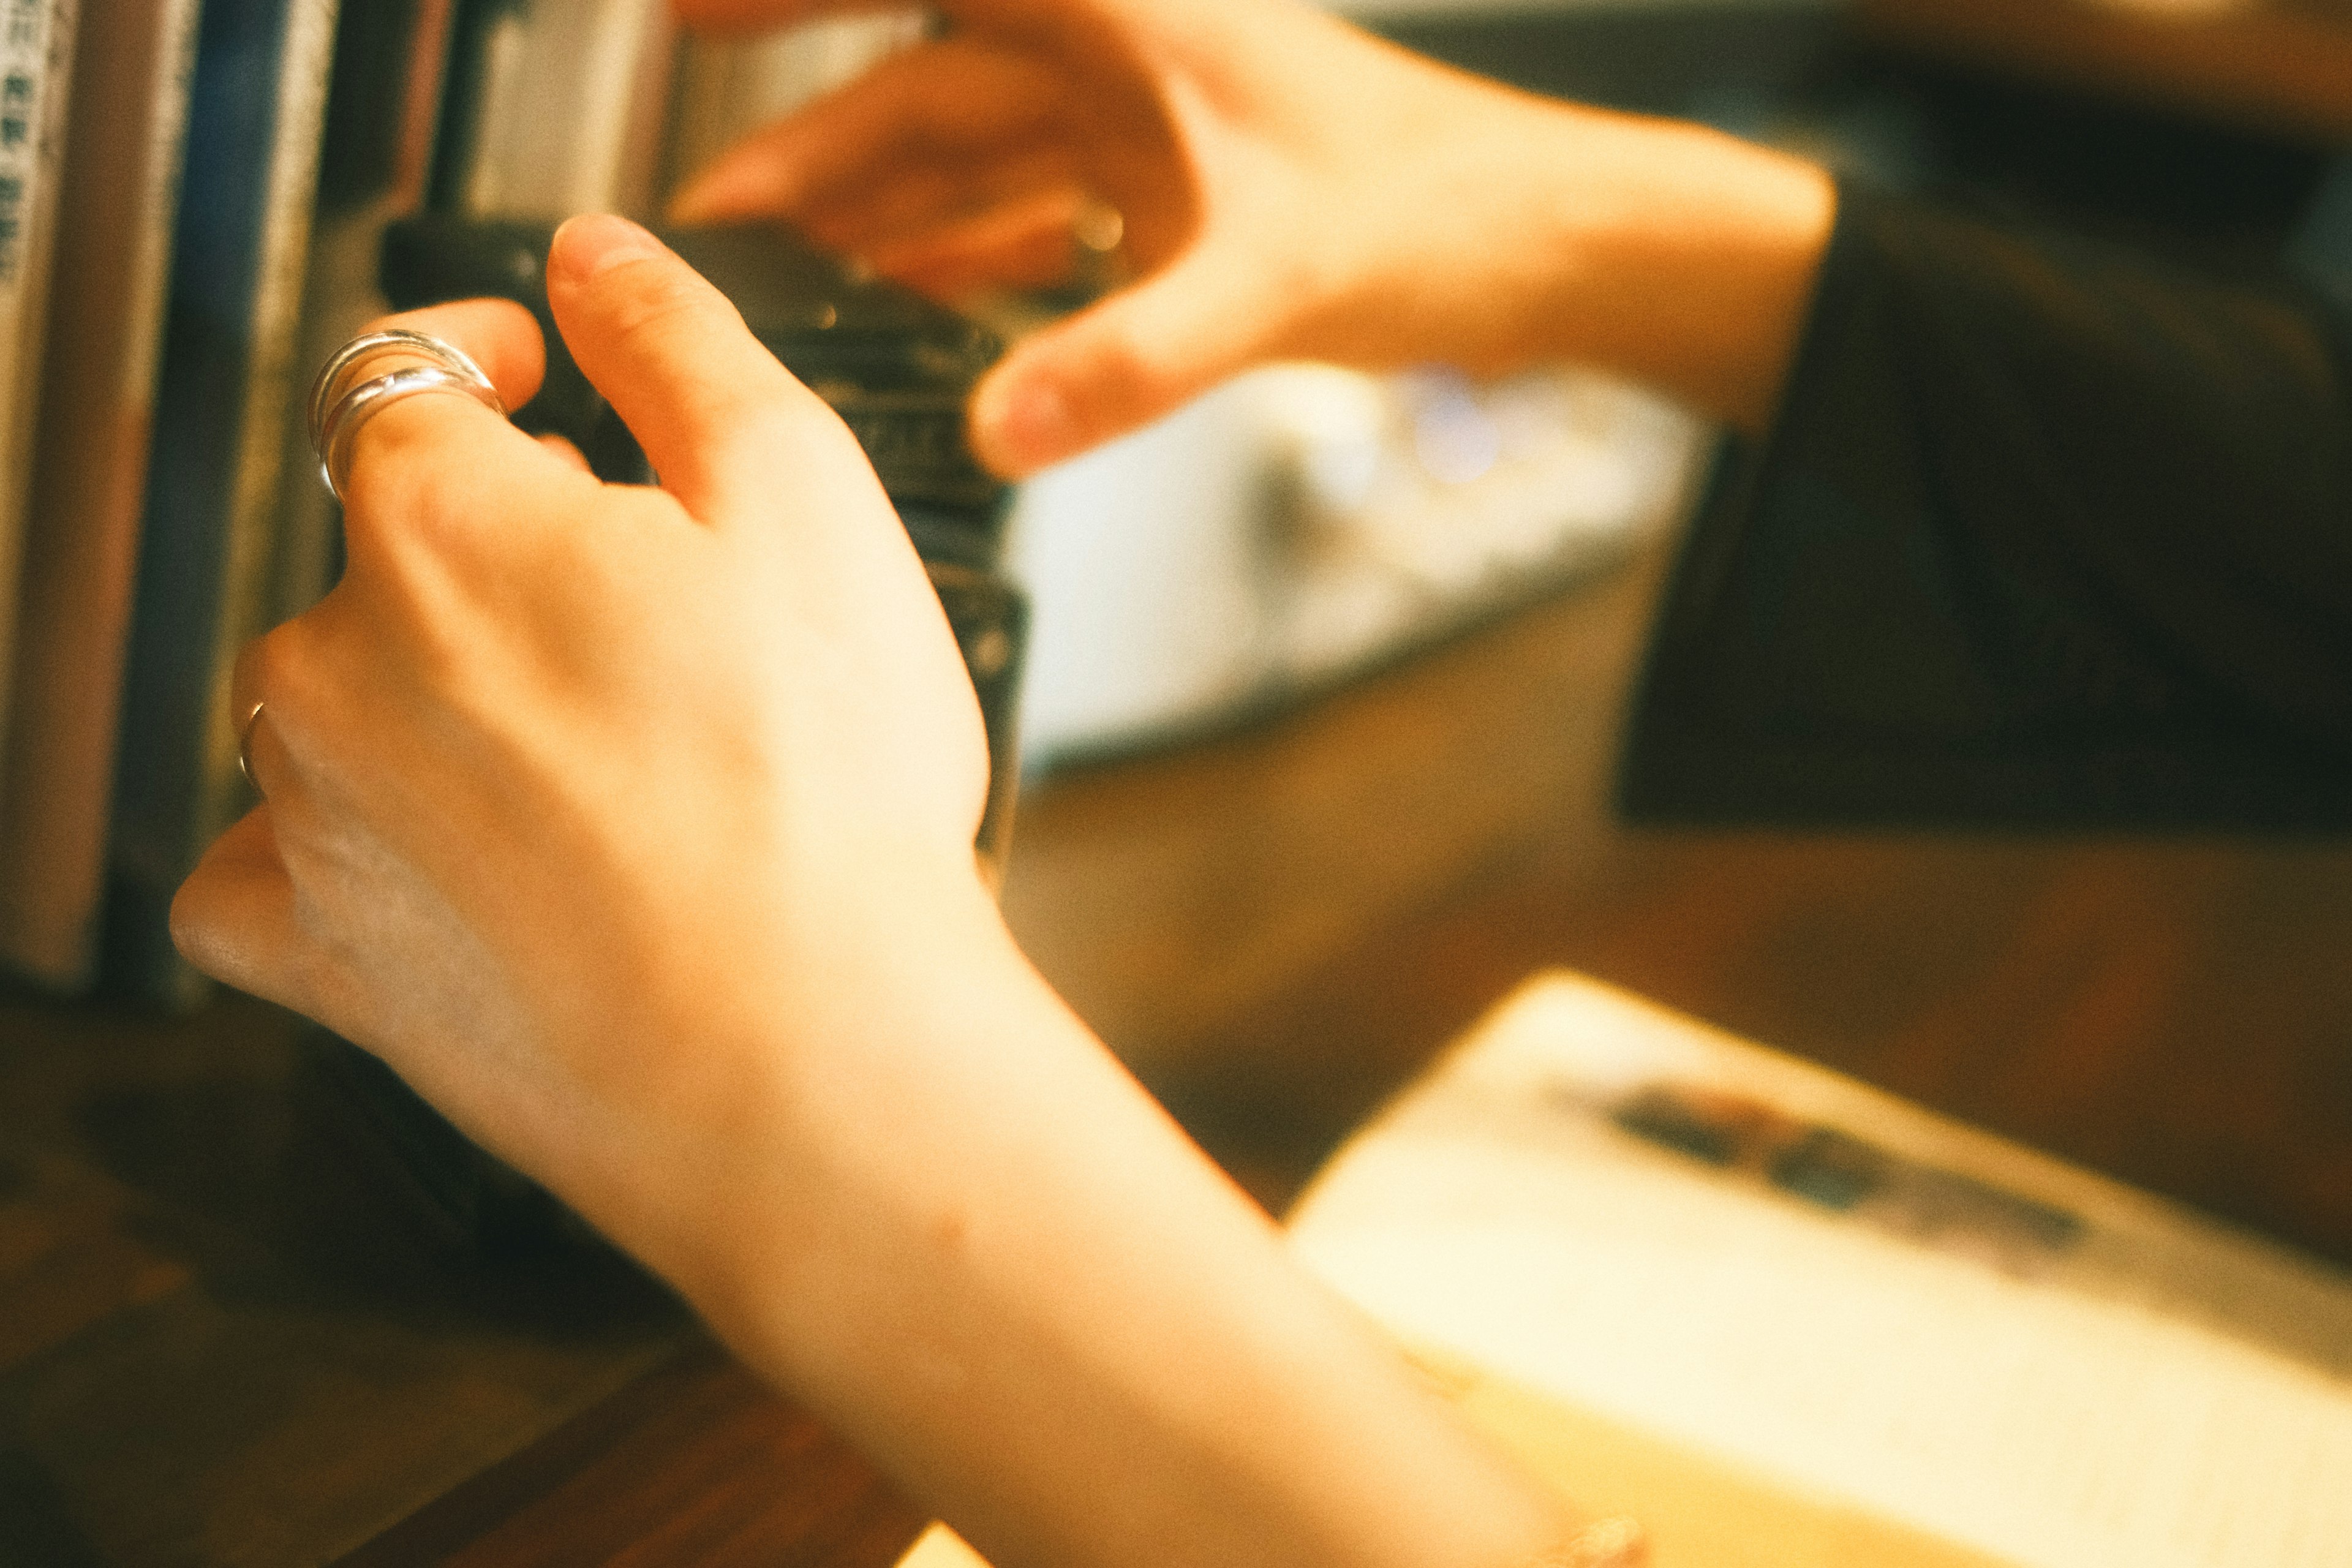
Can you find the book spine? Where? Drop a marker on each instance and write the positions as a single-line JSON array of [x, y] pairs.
[[123, 150], [275, 384], [35, 79], [255, 113]]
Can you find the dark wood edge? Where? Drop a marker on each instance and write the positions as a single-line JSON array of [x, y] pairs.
[[534, 1473]]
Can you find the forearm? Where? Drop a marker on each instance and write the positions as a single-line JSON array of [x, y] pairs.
[[1499, 229], [1042, 1311], [1493, 228]]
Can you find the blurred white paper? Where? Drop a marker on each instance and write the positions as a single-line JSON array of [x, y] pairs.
[[2137, 1386]]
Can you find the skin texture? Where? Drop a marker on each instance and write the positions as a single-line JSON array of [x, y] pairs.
[[1291, 188], [633, 827]]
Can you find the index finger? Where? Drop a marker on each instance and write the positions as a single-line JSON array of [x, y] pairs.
[[945, 102]]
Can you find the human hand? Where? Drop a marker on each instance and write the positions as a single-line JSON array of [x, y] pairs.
[[633, 827], [587, 803], [1290, 188]]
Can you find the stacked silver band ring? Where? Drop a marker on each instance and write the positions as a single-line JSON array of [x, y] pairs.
[[344, 396]]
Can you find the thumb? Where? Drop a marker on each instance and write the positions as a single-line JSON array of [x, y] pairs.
[[1120, 364], [717, 415]]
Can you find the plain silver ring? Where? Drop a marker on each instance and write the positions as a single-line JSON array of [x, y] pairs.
[[341, 401], [362, 402], [244, 744], [344, 368]]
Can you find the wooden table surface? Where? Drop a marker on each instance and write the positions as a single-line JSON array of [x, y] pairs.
[[229, 1333]]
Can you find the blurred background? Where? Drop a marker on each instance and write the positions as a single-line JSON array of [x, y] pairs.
[[1324, 683]]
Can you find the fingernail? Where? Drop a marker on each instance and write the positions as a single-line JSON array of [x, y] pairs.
[[589, 243], [1023, 425]]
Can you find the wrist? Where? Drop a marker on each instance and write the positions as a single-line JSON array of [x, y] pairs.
[[866, 1136], [874, 1020], [1009, 1277], [724, 1088], [1695, 269]]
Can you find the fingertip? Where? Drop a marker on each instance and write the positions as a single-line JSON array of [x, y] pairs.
[[672, 355], [763, 174], [1133, 357], [1021, 422], [731, 186], [593, 243], [696, 202]]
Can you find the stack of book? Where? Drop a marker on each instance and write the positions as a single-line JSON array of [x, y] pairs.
[[192, 193]]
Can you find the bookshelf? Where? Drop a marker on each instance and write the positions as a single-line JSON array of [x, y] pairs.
[[215, 178]]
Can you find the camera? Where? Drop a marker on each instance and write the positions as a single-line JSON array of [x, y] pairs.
[[898, 369]]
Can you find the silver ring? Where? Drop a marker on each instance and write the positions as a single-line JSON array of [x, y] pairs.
[[342, 398], [245, 744]]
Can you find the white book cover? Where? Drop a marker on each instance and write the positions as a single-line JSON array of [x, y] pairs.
[[1782, 1274], [124, 142]]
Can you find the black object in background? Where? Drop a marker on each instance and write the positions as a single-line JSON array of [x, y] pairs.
[[2048, 535], [358, 148]]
